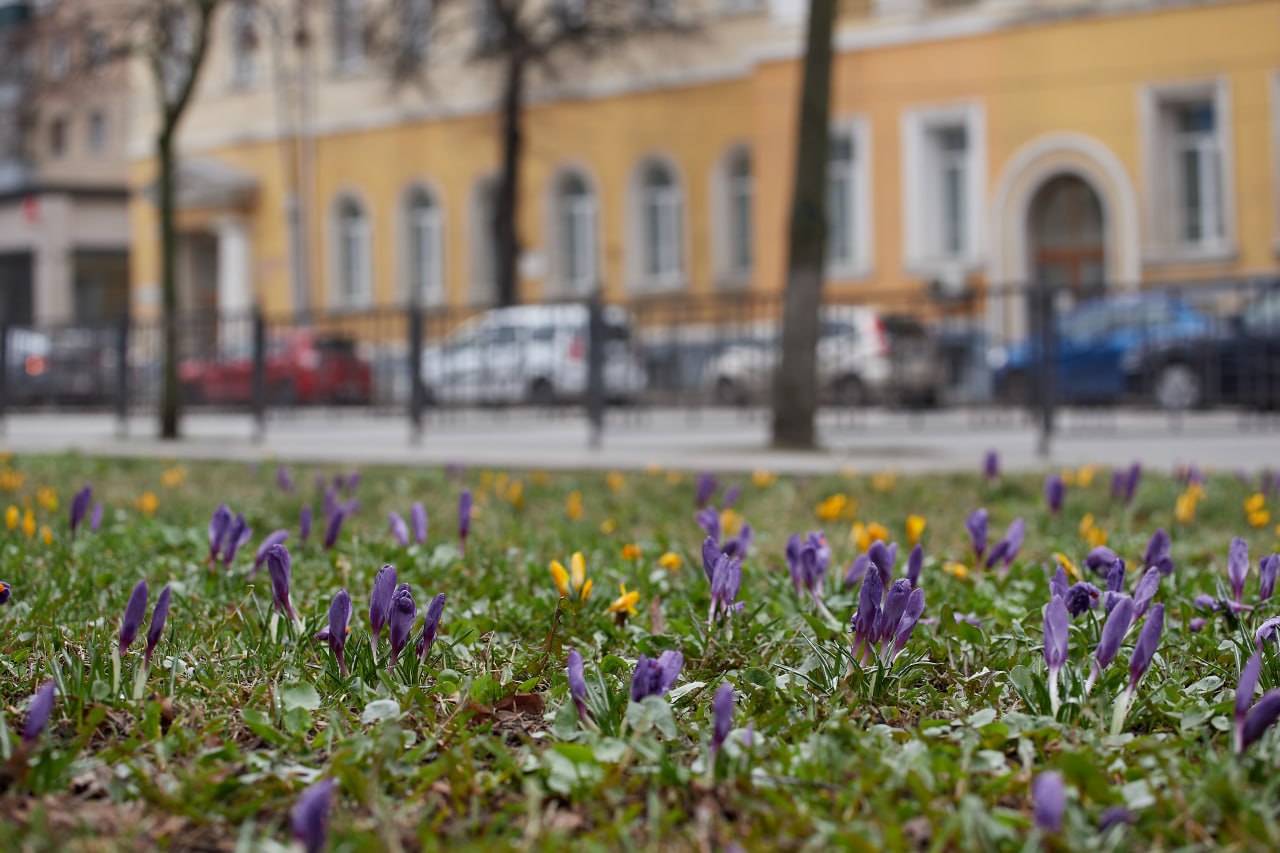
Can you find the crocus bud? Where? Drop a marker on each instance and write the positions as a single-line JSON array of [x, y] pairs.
[[1260, 718], [304, 523], [1145, 591], [418, 521], [704, 487], [1268, 568], [1145, 649], [868, 614], [722, 716], [284, 480], [857, 570], [158, 617], [1050, 799], [278, 567], [1157, 547], [976, 524], [577, 684], [1058, 584], [133, 613], [334, 529], [1238, 566], [991, 465], [1114, 630], [1056, 625], [1082, 596], [95, 518], [430, 626], [464, 519], [731, 495], [1100, 559], [655, 677], [1131, 479], [895, 602], [399, 530], [384, 585], [1054, 492], [884, 557], [80, 506], [339, 627], [915, 562], [218, 526], [310, 816], [1244, 695], [403, 611], [38, 713], [907, 624], [237, 535]]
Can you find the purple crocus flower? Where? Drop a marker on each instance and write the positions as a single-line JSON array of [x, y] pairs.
[[807, 561], [1058, 584], [1131, 479], [1261, 717], [857, 570], [158, 617], [403, 612], [891, 610], [330, 505], [867, 617], [1244, 696], [1100, 559], [991, 465], [1114, 816], [976, 524], [1117, 483], [304, 523], [726, 579], [1145, 649], [275, 537], [1145, 591], [95, 518], [1113, 633], [1115, 583], [133, 613], [80, 506], [655, 676], [740, 544], [339, 627], [704, 487], [722, 716], [464, 519], [1238, 566], [1265, 631], [885, 558], [237, 535], [310, 816], [1197, 623], [1006, 550], [418, 522], [1082, 596], [278, 567], [284, 479], [430, 626], [384, 588], [907, 624], [334, 529], [709, 520], [399, 530], [1056, 631], [731, 495], [353, 481], [1157, 548], [1054, 492], [1268, 568], [218, 526], [577, 684], [915, 563], [39, 712], [1050, 799], [5, 592]]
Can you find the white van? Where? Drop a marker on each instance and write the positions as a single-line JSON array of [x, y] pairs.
[[529, 354]]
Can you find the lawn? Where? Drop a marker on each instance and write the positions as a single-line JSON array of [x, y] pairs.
[[481, 744]]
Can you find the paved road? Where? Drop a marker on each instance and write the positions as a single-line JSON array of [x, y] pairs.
[[711, 440]]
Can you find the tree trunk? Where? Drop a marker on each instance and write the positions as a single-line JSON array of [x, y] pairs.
[[169, 399], [506, 207], [795, 392]]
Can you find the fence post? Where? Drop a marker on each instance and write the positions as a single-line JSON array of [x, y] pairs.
[[122, 375], [4, 374], [1044, 308], [259, 371], [595, 396], [415, 374]]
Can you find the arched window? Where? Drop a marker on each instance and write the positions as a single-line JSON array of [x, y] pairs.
[[354, 275], [738, 192], [841, 248], [424, 245], [661, 223], [576, 220]]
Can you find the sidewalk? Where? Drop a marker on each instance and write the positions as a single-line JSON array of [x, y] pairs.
[[706, 440]]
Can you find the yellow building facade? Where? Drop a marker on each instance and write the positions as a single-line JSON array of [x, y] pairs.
[[1092, 142]]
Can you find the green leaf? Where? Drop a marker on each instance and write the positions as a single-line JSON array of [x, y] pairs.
[[379, 710], [260, 724], [685, 689], [300, 696]]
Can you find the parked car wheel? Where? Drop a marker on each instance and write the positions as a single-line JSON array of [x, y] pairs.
[[541, 393], [848, 390], [1177, 388]]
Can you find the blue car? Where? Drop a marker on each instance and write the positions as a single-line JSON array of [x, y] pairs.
[[1100, 343]]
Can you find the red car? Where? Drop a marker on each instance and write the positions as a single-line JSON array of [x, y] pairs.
[[300, 368]]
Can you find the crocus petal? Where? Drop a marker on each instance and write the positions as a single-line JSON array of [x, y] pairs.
[[1145, 649], [1058, 584], [1268, 568], [1056, 628], [310, 816], [399, 530], [133, 613], [1238, 566], [915, 562], [1157, 547], [403, 611], [39, 711], [278, 567], [384, 587], [1260, 718], [158, 617], [577, 683], [1145, 591], [339, 620], [95, 518], [1248, 684], [418, 522], [1114, 631], [334, 529], [1050, 799], [722, 715], [275, 537], [976, 524], [1100, 559], [430, 626], [304, 523]]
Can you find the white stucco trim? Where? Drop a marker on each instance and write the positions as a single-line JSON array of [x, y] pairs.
[[400, 239], [1056, 153], [554, 283], [859, 128], [334, 301], [638, 282]]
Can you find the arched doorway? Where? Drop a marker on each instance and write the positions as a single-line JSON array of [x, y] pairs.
[[1067, 235]]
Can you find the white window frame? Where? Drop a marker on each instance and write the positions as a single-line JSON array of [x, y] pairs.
[[583, 209], [861, 236], [360, 294], [96, 131], [59, 57], [346, 60], [726, 190], [1165, 243], [426, 282], [924, 256], [244, 62], [482, 282], [673, 274]]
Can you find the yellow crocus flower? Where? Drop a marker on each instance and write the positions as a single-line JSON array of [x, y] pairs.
[[12, 517], [1184, 510], [560, 577], [615, 481], [631, 551], [884, 481], [573, 506], [46, 535], [47, 498], [626, 602], [29, 524], [763, 479], [730, 522], [1084, 476], [173, 477], [608, 526], [1255, 502], [148, 503], [915, 528], [833, 507], [1065, 562], [956, 570], [670, 561], [1259, 518]]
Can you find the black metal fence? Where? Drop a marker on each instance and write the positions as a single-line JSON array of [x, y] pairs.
[[1175, 347]]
